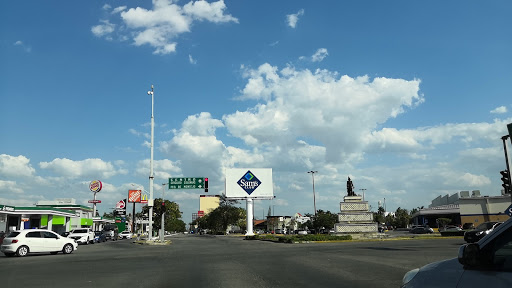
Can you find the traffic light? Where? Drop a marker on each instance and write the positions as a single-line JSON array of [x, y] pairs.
[[506, 180], [206, 185]]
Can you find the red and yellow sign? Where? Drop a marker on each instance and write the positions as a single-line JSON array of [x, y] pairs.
[[134, 196], [95, 186], [144, 198]]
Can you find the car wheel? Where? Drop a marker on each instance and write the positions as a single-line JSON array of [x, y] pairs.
[[68, 248], [22, 251]]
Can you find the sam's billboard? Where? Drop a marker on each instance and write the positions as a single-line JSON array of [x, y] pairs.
[[245, 183]]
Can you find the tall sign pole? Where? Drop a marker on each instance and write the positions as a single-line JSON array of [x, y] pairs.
[[95, 187], [151, 177]]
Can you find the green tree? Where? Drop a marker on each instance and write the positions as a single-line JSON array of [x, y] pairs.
[[324, 219], [379, 216], [226, 214], [172, 216], [443, 222], [402, 218]]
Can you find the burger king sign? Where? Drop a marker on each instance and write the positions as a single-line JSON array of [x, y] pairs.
[[95, 186]]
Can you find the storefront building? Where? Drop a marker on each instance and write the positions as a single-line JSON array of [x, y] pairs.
[[19, 218]]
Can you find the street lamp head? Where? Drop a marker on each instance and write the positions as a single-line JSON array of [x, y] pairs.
[[150, 92]]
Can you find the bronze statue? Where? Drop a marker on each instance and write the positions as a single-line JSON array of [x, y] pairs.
[[350, 188]]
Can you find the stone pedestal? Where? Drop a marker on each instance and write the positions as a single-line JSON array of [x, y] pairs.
[[355, 217]]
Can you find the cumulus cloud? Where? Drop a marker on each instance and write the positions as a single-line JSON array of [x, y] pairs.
[[499, 110], [319, 55], [162, 169], [15, 166], [9, 188], [93, 168], [338, 111], [294, 18], [160, 26]]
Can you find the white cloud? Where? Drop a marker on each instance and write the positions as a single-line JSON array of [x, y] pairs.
[[19, 166], [160, 26], [319, 55], [339, 112], [162, 169], [499, 110], [294, 18], [118, 9], [213, 12], [25, 47], [10, 187], [191, 60], [94, 168], [103, 29]]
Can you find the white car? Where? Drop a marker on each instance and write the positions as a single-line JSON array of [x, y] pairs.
[[125, 235], [22, 242], [82, 235], [487, 263]]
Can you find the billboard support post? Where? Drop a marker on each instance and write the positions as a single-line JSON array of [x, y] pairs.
[[249, 213]]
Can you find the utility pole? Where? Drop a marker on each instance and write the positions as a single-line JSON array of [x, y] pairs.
[[314, 197], [151, 177], [363, 189], [504, 138], [162, 224]]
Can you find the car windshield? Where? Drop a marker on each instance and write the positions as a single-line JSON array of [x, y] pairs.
[[485, 226], [80, 231]]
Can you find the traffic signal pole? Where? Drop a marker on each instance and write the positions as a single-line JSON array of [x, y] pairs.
[[504, 138]]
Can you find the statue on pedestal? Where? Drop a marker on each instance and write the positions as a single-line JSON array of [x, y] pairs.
[[350, 188]]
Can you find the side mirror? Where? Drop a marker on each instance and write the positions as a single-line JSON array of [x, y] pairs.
[[468, 254]]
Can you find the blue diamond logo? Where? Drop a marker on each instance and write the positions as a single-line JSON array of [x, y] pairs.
[[249, 182]]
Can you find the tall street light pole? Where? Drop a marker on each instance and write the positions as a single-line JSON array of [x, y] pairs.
[[314, 198], [363, 189], [150, 200]]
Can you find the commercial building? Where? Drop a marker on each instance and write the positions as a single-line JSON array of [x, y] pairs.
[[464, 208], [19, 218]]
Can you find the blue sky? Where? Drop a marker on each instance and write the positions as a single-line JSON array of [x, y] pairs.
[[408, 98]]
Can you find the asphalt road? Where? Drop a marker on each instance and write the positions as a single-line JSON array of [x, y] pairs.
[[225, 261]]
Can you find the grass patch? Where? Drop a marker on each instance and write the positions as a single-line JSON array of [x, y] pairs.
[[299, 238]]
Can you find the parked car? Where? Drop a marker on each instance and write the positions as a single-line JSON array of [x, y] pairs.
[[64, 234], [23, 242], [422, 230], [111, 232], [451, 228], [125, 235], [485, 263], [82, 235], [480, 231], [99, 237]]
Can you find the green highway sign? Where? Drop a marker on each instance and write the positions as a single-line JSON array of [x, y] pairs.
[[186, 183]]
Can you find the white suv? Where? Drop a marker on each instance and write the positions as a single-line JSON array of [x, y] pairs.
[[82, 235]]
